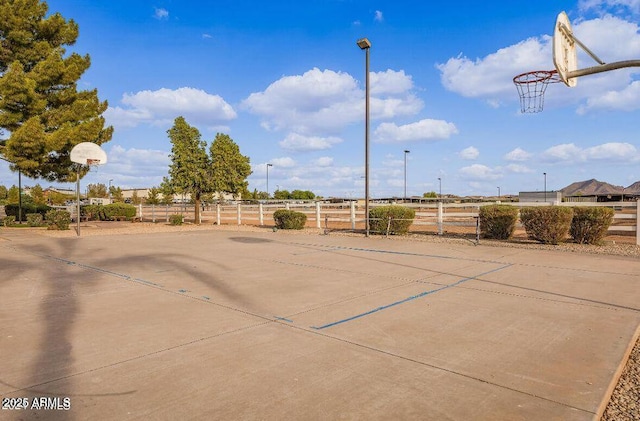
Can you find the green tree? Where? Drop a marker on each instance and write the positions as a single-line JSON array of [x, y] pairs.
[[167, 191], [57, 198], [97, 190], [430, 194], [135, 199], [302, 195], [189, 171], [229, 168], [13, 194], [116, 194], [38, 195], [40, 107], [281, 195], [153, 198], [3, 192]]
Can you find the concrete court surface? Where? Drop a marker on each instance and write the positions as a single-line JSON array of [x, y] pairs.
[[240, 325]]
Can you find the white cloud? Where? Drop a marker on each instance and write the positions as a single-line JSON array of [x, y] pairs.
[[324, 161], [301, 143], [324, 102], [517, 154], [518, 169], [490, 77], [164, 105], [563, 152], [422, 130], [378, 17], [135, 167], [161, 14], [627, 99], [469, 153], [390, 82], [480, 172], [612, 151], [603, 6], [284, 162]]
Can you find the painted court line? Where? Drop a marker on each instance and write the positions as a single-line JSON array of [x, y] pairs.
[[413, 297]]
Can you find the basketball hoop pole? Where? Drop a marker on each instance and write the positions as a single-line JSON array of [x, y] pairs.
[[603, 68], [78, 198]]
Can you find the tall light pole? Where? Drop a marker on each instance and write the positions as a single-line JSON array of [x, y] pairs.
[[440, 182], [405, 174], [365, 45], [498, 192], [268, 165], [110, 181], [545, 187]]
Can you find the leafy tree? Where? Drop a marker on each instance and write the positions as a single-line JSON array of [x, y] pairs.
[[40, 107], [97, 190], [260, 195], [135, 199], [189, 171], [167, 192], [153, 198], [302, 195], [3, 192], [281, 195], [430, 194], [229, 168], [57, 198], [38, 195], [13, 194], [116, 194]]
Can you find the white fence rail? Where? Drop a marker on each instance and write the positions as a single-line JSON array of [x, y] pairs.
[[431, 217]]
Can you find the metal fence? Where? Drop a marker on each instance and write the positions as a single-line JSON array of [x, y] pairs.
[[437, 218]]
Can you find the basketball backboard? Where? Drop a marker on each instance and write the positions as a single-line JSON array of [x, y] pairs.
[[565, 56], [87, 153]]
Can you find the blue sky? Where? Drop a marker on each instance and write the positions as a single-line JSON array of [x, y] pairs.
[[285, 79]]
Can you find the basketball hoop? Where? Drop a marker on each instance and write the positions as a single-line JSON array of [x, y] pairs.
[[531, 88]]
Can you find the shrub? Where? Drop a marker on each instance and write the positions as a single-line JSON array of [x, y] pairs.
[[176, 219], [9, 221], [13, 209], [34, 219], [590, 224], [391, 219], [289, 220], [498, 221], [119, 211], [58, 219], [93, 212], [549, 225]]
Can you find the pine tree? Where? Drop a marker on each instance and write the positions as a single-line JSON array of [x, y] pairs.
[[189, 168], [41, 111], [230, 168]]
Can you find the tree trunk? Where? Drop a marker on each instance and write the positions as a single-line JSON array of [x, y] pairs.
[[197, 208]]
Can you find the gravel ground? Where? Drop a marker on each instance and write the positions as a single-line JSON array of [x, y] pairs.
[[624, 404]]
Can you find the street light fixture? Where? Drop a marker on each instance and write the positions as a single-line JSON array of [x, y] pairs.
[[268, 165], [365, 45], [405, 174], [498, 193], [440, 182]]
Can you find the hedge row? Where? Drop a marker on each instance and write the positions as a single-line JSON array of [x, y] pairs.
[[548, 225], [108, 212], [27, 208]]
